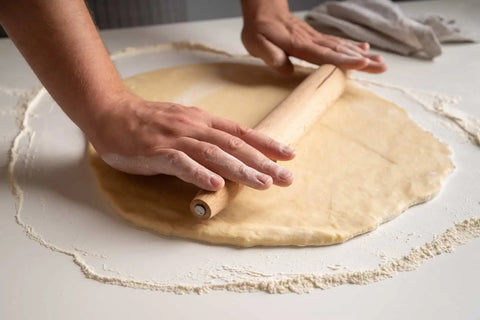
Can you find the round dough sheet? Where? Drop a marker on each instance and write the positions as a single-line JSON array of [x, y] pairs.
[[363, 163]]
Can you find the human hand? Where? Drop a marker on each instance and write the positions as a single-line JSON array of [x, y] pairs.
[[148, 138], [129, 133], [272, 34]]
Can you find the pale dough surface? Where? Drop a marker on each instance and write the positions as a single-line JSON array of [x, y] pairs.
[[363, 163]]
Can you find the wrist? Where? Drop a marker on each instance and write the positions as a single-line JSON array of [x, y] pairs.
[[97, 112]]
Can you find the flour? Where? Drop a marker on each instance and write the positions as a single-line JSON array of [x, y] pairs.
[[246, 279], [446, 242], [11, 91], [26, 100]]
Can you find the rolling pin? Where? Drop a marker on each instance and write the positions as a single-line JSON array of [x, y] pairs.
[[286, 123]]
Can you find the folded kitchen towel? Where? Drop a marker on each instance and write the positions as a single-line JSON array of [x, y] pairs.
[[382, 24]]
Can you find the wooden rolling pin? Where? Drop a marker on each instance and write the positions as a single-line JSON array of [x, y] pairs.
[[287, 123]]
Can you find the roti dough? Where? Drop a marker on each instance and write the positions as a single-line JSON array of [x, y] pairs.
[[362, 164]]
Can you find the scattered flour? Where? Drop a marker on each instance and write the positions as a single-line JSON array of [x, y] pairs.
[[11, 91]]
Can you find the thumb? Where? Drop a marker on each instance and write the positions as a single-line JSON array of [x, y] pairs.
[[259, 46]]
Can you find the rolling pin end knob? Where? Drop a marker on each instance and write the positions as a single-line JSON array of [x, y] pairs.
[[200, 210]]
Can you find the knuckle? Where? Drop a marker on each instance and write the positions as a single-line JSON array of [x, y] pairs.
[[243, 172], [234, 144], [298, 41], [199, 176], [196, 110], [175, 108], [341, 48], [210, 152], [241, 131], [267, 165], [277, 61], [174, 158], [183, 120]]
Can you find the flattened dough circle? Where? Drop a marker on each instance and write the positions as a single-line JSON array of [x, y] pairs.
[[363, 163]]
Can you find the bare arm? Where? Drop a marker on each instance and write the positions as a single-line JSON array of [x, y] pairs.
[[61, 44], [272, 33]]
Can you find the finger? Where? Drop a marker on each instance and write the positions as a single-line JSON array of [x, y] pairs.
[[177, 163], [374, 64], [272, 55], [371, 56], [217, 160], [340, 45], [318, 54], [266, 145], [375, 57], [375, 67], [355, 47], [314, 34], [364, 46], [247, 154], [170, 162], [349, 51], [375, 61]]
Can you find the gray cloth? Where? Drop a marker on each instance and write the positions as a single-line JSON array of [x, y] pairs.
[[382, 24]]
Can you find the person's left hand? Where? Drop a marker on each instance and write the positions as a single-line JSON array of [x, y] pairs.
[[274, 36]]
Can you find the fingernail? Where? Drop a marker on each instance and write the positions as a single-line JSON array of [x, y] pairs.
[[287, 150], [263, 179], [216, 181], [285, 175]]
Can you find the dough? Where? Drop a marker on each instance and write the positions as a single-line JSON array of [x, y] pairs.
[[362, 164]]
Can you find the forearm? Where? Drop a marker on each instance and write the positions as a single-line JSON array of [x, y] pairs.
[[60, 42], [255, 9]]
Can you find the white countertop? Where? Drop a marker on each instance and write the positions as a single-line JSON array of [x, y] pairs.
[[38, 283]]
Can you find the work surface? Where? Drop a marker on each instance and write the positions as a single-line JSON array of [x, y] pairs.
[[38, 283]]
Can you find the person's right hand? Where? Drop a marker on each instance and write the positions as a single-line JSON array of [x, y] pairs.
[[129, 133], [148, 138]]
